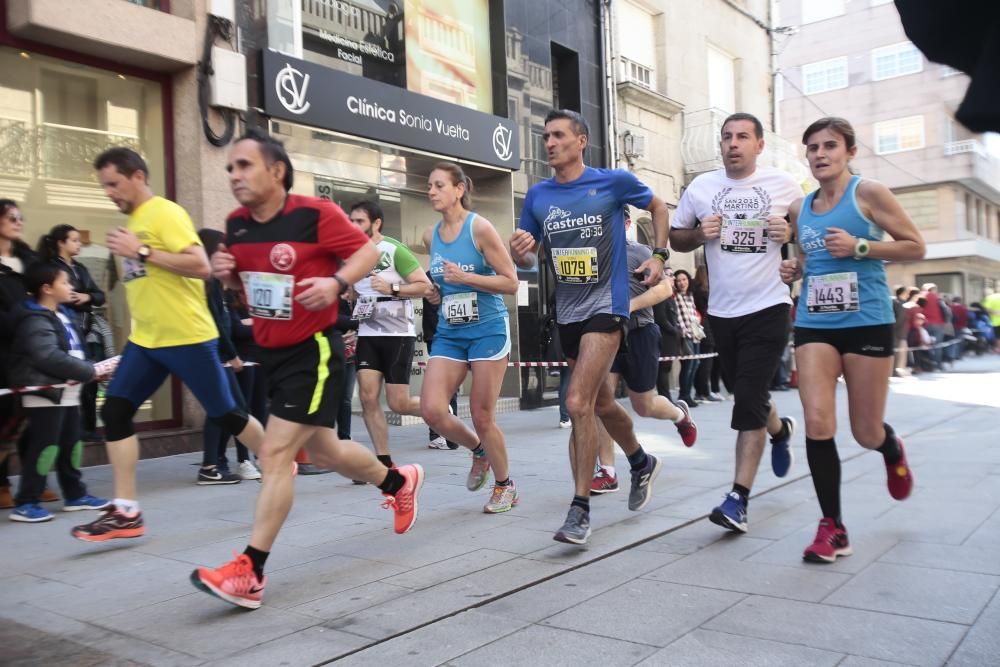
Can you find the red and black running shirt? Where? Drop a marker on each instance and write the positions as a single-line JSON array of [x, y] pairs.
[[308, 239]]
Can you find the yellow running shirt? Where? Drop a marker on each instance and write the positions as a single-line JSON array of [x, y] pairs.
[[167, 309]]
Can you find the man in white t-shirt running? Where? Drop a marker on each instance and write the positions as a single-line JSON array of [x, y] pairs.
[[739, 214], [386, 333]]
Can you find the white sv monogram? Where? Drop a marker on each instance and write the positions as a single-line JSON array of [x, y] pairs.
[[291, 85]]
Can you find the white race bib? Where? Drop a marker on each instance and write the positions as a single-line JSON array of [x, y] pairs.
[[833, 293], [577, 266], [744, 236], [364, 308], [269, 295], [461, 308]]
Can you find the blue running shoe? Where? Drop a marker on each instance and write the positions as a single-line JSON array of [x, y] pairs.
[[30, 513], [85, 503], [731, 514], [781, 449]]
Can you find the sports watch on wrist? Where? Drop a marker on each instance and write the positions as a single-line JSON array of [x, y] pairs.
[[662, 253], [143, 253], [344, 286], [861, 249], [395, 289]]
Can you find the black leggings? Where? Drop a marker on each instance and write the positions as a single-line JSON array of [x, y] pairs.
[[52, 441]]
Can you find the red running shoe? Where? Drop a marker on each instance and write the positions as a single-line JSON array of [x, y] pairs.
[[404, 503], [111, 525], [234, 582], [830, 542], [603, 482], [899, 477], [686, 427]]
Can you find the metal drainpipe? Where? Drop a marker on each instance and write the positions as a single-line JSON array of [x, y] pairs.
[[608, 108], [774, 65]]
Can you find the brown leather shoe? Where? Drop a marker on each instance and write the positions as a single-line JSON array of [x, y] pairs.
[[6, 499], [49, 496]]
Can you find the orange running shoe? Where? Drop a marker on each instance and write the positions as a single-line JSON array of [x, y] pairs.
[[111, 525], [234, 582], [404, 503]]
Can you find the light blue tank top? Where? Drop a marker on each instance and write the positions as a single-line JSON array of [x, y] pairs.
[[462, 306], [838, 293]]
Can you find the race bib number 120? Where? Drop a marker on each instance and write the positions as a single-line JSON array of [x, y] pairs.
[[833, 293], [269, 295], [744, 236], [577, 266]]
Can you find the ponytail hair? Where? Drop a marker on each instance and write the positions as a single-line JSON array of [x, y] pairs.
[[48, 245], [458, 177]]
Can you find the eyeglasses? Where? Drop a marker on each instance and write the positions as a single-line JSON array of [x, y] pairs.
[[14, 218]]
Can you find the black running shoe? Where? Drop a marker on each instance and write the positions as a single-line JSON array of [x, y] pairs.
[[210, 476], [642, 483], [576, 530]]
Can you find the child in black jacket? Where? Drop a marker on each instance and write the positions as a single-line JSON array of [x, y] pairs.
[[48, 350]]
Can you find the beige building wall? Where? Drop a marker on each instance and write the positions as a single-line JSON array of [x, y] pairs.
[[678, 43]]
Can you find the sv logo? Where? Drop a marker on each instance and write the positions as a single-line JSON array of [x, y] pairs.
[[501, 142], [291, 85]]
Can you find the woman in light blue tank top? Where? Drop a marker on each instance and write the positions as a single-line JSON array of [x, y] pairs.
[[470, 269], [844, 318]]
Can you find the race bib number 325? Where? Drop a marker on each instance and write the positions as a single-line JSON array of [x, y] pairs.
[[744, 236], [833, 293], [269, 295], [576, 265]]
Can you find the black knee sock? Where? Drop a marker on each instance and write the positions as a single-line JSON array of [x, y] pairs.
[[583, 502], [890, 448], [743, 491], [258, 558], [637, 460], [392, 483], [385, 459], [824, 464]]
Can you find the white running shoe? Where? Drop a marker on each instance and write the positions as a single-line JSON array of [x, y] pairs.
[[438, 443], [248, 470]]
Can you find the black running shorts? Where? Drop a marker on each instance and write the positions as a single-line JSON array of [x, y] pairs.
[[870, 341], [392, 356], [305, 381], [570, 334], [639, 362]]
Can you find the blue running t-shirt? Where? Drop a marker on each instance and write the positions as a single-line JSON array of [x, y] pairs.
[[583, 229]]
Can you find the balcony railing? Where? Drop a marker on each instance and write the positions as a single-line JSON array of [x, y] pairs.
[[55, 151], [637, 73], [160, 5], [964, 146]]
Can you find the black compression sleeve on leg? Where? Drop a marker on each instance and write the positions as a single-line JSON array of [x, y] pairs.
[[233, 422], [117, 415], [824, 464]]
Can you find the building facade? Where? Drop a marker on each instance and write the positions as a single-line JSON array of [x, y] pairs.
[[367, 94], [852, 59]]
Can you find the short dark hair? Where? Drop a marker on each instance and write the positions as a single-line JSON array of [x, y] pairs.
[[758, 127], [371, 209], [39, 275], [125, 160], [839, 125], [273, 151], [576, 119], [900, 290]]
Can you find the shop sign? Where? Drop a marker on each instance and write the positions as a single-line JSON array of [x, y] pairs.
[[311, 94]]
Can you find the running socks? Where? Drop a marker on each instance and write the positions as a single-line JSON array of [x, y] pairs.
[[392, 483], [385, 460], [743, 491], [637, 461], [783, 433], [583, 502], [824, 466], [258, 558], [506, 482], [608, 470], [479, 452], [890, 448], [130, 507]]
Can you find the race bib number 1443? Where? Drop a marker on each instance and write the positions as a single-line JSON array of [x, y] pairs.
[[833, 293]]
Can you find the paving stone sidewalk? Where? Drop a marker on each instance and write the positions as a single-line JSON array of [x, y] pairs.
[[659, 587]]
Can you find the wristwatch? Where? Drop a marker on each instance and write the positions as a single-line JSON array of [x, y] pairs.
[[143, 253], [395, 289], [861, 249], [662, 253], [344, 286]]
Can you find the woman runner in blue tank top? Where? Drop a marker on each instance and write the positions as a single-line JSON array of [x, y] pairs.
[[844, 318], [470, 268]]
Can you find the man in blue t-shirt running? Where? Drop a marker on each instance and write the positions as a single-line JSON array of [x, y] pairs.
[[577, 215]]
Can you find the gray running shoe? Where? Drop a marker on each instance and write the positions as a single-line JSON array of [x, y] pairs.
[[642, 483], [576, 530]]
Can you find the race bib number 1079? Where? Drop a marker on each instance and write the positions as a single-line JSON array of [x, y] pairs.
[[576, 265]]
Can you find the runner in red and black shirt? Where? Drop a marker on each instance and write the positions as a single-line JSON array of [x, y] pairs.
[[293, 256]]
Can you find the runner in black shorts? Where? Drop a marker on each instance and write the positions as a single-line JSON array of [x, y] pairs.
[[577, 215], [638, 363], [293, 256], [386, 333], [739, 214]]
